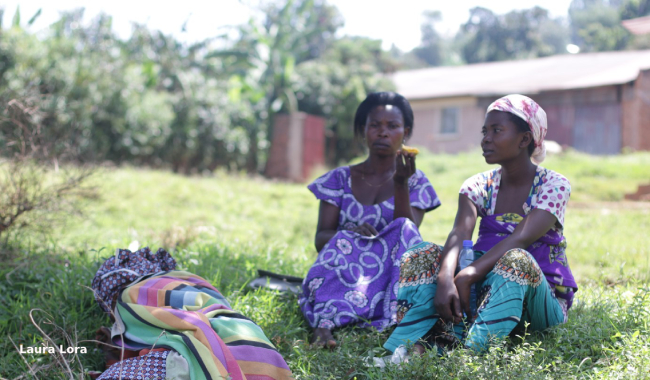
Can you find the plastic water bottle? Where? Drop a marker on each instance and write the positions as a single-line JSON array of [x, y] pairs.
[[465, 258]]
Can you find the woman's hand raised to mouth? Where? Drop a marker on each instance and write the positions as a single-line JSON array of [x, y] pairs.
[[404, 167]]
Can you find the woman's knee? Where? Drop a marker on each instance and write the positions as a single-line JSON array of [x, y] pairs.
[[520, 256], [421, 252], [422, 258], [519, 265]]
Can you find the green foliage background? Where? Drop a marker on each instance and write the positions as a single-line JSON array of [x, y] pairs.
[[152, 100]]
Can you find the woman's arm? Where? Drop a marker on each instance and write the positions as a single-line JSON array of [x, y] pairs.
[[328, 222], [447, 301], [404, 169], [535, 225]]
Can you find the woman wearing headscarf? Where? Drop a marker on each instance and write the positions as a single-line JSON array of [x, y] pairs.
[[520, 273]]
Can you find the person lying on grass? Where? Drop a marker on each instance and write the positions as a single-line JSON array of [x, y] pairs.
[[171, 324], [369, 215], [521, 271]]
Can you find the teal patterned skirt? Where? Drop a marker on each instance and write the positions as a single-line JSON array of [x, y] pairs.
[[515, 295]]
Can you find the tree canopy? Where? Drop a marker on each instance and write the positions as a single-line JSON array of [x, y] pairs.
[[151, 100]]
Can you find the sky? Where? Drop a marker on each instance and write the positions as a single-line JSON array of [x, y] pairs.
[[393, 22]]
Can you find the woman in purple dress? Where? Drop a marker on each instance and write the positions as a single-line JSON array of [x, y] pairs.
[[368, 217]]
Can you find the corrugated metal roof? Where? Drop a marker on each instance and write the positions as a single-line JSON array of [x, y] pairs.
[[638, 26], [560, 72]]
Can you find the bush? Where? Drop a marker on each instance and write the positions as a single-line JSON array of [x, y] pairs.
[[32, 193]]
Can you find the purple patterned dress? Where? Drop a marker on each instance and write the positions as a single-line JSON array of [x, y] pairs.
[[355, 278]]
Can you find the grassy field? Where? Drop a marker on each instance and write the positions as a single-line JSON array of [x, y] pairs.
[[223, 227]]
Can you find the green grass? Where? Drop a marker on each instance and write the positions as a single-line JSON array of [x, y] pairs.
[[224, 227]]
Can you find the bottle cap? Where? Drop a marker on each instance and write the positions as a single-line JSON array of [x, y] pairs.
[[467, 244]]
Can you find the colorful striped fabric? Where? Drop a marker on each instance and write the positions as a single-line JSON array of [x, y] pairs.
[[184, 312]]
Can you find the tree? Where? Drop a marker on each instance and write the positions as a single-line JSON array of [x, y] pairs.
[[34, 192], [151, 100], [596, 25], [430, 50], [529, 33], [78, 81], [179, 111], [334, 85], [634, 8], [265, 57]]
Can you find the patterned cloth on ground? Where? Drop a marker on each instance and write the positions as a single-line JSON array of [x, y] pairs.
[[148, 366], [185, 314], [354, 278], [118, 271]]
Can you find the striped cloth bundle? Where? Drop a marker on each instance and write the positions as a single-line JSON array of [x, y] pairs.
[[185, 313]]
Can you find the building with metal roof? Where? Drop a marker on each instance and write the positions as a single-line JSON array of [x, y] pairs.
[[637, 26], [595, 102]]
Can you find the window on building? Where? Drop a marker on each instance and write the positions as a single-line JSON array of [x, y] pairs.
[[449, 122]]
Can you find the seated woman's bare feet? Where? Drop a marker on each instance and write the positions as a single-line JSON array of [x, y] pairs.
[[418, 349], [323, 338]]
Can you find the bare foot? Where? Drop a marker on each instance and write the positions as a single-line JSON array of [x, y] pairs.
[[418, 349], [323, 338]]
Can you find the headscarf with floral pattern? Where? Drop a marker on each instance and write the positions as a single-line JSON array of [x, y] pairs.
[[532, 113]]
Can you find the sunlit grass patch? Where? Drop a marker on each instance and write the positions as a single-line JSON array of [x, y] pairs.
[[225, 227]]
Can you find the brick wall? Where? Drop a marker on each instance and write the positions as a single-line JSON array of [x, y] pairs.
[[427, 128], [636, 123], [277, 165], [313, 154], [561, 121], [636, 113], [298, 145], [643, 98]]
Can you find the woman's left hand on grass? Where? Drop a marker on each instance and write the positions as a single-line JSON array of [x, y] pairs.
[[404, 167]]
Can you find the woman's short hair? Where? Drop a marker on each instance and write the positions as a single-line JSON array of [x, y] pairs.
[[381, 99], [522, 126]]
